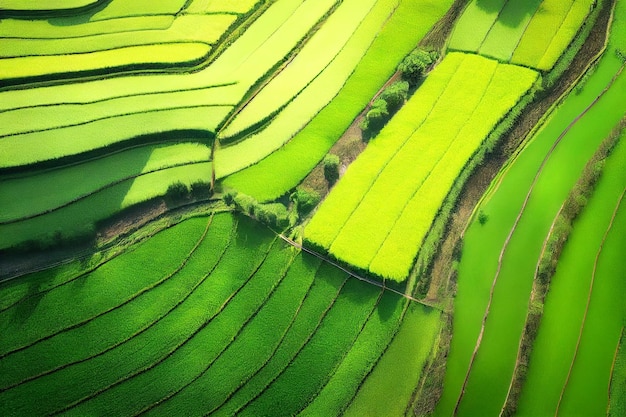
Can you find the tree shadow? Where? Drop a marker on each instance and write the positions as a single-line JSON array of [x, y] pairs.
[[513, 13]]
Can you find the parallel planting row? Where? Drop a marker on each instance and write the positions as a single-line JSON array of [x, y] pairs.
[[531, 33], [501, 255], [215, 298], [412, 164]]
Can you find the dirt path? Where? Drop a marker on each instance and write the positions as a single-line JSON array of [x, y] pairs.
[[515, 224], [593, 278]]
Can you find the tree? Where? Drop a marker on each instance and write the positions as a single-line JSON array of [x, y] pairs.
[[395, 95], [415, 64], [305, 199], [331, 168], [177, 191], [376, 117]]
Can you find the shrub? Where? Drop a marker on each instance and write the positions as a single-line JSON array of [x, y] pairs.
[[177, 191], [415, 64], [305, 199], [331, 168], [201, 189], [395, 95], [377, 116]]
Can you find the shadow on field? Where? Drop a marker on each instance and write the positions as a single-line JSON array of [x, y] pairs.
[[513, 13]]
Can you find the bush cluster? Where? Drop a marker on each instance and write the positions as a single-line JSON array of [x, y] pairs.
[[389, 101], [270, 214], [179, 192], [331, 168], [415, 65]]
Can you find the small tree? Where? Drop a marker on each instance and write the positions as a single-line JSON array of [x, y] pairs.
[[376, 117], [201, 189], [331, 168], [415, 64], [395, 95], [305, 199], [482, 217], [177, 191]]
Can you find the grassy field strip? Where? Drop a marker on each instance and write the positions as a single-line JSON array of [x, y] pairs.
[[27, 148], [568, 29], [404, 360], [335, 396], [163, 339], [45, 29], [474, 24], [395, 257], [120, 8], [359, 239], [160, 177], [564, 308], [139, 316], [327, 287], [191, 359], [81, 216], [190, 28], [587, 385], [281, 171], [309, 102], [220, 6], [500, 207], [513, 282], [318, 52], [39, 323], [51, 190], [346, 196], [545, 29], [45, 5], [617, 404], [508, 29], [166, 54], [308, 370], [44, 117], [235, 363]]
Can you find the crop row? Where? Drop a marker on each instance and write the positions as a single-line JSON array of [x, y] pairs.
[[423, 151], [533, 33], [314, 57], [235, 307], [80, 217], [484, 243], [566, 305], [318, 93], [283, 170]]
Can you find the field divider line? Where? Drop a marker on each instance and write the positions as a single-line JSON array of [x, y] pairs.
[[530, 300], [344, 354], [593, 278], [244, 381], [619, 341], [399, 149], [493, 24], [354, 274], [132, 297], [294, 358], [114, 116], [171, 351], [517, 220], [225, 347], [103, 188], [132, 336], [296, 353]]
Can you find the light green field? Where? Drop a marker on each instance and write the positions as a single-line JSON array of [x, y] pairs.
[[386, 242], [566, 303], [482, 244], [187, 28], [309, 102], [282, 171], [49, 190], [474, 24], [312, 59], [45, 5], [220, 6]]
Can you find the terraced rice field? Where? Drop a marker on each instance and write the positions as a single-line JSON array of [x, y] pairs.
[[197, 312], [143, 273], [349, 223], [532, 33], [575, 129]]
